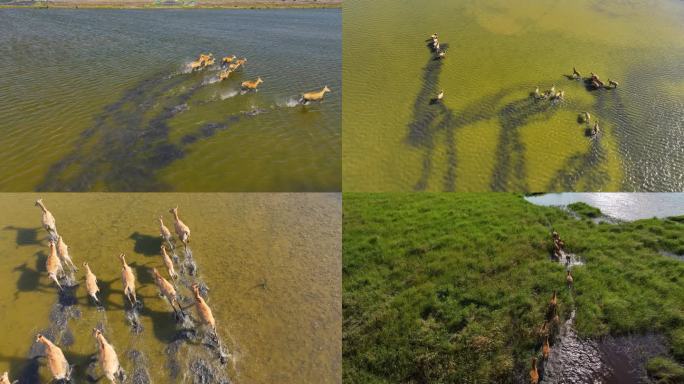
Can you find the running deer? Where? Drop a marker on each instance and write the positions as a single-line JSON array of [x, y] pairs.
[[58, 364], [109, 361], [4, 379], [91, 283], [554, 300], [167, 290], [182, 230], [534, 375], [546, 349], [164, 231], [47, 219], [251, 85], [168, 263], [128, 279], [203, 310], [53, 265], [63, 252], [315, 96]]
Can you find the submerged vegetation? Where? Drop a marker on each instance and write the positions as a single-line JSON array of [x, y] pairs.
[[454, 287]]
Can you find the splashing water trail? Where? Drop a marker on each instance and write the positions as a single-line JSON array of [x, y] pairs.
[[229, 94]]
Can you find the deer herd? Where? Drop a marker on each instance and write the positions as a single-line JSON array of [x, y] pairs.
[[230, 64], [59, 261]]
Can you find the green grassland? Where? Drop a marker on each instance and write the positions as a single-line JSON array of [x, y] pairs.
[[444, 288]]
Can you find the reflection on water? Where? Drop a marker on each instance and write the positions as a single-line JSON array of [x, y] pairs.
[[623, 206], [267, 264], [100, 100]]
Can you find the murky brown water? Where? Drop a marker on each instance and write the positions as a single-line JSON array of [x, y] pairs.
[[271, 263]]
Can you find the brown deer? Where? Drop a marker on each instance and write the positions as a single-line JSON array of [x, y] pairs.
[[109, 361], [163, 231], [53, 265], [182, 230], [315, 96], [251, 85], [534, 375], [63, 252], [168, 263], [91, 283], [546, 349], [167, 290], [203, 310], [58, 364], [128, 279], [47, 219]]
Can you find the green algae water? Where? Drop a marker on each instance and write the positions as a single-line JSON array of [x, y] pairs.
[[101, 100], [489, 134], [270, 262]]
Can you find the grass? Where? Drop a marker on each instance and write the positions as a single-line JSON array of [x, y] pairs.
[[444, 288], [585, 210]]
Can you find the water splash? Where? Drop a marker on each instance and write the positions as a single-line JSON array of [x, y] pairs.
[[573, 359], [289, 102], [229, 94]]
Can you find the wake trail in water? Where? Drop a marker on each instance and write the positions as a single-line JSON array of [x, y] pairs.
[[206, 364], [58, 331]]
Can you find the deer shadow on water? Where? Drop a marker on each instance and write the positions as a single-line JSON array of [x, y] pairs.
[[29, 278], [145, 244], [129, 141], [25, 236], [432, 119]]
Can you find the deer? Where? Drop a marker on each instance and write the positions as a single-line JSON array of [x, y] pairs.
[[47, 219], [58, 364], [315, 95], [91, 283], [128, 279], [251, 85], [63, 252], [182, 230], [53, 265], [109, 361]]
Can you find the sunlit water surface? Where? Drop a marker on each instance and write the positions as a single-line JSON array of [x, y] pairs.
[[488, 134], [623, 206], [271, 264], [102, 100]]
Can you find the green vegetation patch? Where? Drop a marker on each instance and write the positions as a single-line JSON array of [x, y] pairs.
[[454, 287], [585, 210], [665, 371]]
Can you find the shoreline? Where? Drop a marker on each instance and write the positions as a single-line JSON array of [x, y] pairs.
[[289, 4]]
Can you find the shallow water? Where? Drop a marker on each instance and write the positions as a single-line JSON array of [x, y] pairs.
[[271, 264], [623, 206], [488, 134], [102, 100], [614, 360]]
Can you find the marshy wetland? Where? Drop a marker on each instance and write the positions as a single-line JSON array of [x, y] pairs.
[[103, 100], [460, 288], [488, 133], [268, 266]]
